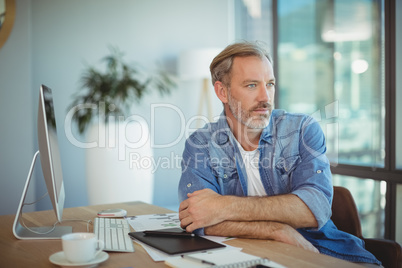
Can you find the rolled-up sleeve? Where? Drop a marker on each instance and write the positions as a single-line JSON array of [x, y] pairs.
[[196, 171], [312, 179]]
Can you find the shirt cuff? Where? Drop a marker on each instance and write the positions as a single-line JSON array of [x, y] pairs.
[[199, 232], [317, 203]]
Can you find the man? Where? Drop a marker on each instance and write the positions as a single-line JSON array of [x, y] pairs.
[[259, 172]]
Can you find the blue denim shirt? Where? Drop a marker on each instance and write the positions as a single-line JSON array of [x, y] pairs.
[[292, 160]]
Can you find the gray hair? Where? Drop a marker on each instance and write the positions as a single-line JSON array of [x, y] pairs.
[[221, 65]]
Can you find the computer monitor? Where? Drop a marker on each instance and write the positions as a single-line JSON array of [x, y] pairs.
[[52, 173]]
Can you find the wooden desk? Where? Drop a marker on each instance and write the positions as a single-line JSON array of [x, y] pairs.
[[35, 253]]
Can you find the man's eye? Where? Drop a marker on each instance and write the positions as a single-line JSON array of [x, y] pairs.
[[270, 84], [251, 85]]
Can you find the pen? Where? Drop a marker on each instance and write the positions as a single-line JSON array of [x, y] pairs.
[[174, 234], [196, 260]]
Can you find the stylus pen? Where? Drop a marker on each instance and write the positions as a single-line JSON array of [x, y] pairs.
[[196, 260], [162, 233]]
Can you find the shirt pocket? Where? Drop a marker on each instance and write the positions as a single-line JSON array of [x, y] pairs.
[[284, 168], [228, 179]]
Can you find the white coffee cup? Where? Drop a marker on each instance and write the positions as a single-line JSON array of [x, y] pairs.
[[81, 247]]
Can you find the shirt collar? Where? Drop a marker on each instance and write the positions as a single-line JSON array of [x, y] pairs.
[[223, 131]]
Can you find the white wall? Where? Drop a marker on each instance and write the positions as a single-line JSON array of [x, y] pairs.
[[50, 44], [16, 109]]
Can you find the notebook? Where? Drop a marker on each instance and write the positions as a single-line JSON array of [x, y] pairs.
[[222, 259], [176, 244]]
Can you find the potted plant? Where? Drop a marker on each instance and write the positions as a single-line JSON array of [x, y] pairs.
[[110, 176], [118, 88]]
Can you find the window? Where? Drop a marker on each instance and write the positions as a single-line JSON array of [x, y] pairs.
[[330, 64], [398, 66], [334, 60], [254, 21], [398, 143], [398, 236], [330, 57]]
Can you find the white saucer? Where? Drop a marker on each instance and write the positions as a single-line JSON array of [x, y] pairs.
[[59, 259]]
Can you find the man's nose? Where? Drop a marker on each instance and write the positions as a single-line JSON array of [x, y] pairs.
[[263, 94]]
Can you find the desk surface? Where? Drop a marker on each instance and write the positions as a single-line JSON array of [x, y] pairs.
[[35, 253]]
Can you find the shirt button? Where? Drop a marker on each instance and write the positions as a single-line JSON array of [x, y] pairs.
[[188, 185], [319, 171], [225, 176]]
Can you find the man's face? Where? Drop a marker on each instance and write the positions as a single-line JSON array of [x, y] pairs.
[[252, 90]]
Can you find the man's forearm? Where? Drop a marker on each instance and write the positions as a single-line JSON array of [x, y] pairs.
[[288, 209], [205, 208], [260, 230], [244, 229]]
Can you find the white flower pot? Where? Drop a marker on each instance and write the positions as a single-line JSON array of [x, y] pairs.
[[116, 165]]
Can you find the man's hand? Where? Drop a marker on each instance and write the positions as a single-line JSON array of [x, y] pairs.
[[205, 208], [202, 208]]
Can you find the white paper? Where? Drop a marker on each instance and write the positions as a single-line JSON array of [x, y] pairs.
[[154, 221]]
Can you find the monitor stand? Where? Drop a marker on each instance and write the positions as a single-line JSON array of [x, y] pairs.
[[22, 232]]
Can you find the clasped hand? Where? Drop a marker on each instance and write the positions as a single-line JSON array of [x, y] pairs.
[[201, 209]]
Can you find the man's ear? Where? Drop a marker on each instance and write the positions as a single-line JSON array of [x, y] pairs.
[[221, 91]]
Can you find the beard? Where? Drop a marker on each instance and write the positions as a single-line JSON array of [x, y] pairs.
[[245, 116]]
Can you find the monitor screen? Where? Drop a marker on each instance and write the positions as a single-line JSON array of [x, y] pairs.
[[49, 150]]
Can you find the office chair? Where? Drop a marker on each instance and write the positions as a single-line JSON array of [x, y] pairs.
[[346, 218]]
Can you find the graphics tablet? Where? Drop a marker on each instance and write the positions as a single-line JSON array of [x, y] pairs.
[[176, 244]]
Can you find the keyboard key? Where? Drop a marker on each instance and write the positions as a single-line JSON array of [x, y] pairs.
[[114, 233]]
